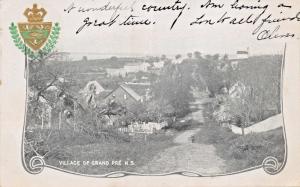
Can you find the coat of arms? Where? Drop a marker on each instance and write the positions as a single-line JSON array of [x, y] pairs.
[[35, 37]]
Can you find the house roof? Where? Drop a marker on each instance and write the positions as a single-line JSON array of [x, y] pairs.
[[139, 88], [136, 91], [98, 87], [131, 92]]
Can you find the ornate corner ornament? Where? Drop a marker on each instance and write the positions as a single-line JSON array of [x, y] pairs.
[[271, 165], [35, 38]]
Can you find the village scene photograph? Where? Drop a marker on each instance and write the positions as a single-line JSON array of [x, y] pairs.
[[208, 114]]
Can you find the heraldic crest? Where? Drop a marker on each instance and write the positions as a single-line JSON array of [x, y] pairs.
[[35, 37]]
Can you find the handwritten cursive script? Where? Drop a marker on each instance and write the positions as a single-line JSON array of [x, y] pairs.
[[267, 23]]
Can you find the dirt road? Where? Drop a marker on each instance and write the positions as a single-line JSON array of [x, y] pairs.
[[185, 137], [187, 156]]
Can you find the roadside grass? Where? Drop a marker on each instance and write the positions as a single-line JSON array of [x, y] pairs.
[[242, 152], [137, 150], [185, 125]]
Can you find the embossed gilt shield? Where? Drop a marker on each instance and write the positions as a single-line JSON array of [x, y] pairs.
[[35, 34]]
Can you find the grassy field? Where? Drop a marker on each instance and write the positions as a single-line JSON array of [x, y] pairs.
[[242, 152], [137, 152]]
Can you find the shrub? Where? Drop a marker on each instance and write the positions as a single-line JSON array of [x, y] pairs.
[[214, 134], [252, 149], [242, 152]]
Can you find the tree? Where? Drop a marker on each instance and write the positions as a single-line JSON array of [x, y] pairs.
[[172, 91], [190, 55], [209, 76], [47, 83], [178, 56], [262, 74], [208, 57], [113, 58], [241, 108], [216, 57], [163, 57], [197, 55], [84, 59], [259, 90], [225, 57]]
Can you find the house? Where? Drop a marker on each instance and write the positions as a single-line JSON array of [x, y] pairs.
[[124, 95], [242, 54], [93, 86], [141, 88], [236, 58], [90, 91], [159, 64], [136, 67], [132, 67], [114, 72], [127, 95]]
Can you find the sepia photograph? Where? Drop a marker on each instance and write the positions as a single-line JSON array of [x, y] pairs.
[[194, 114], [149, 93]]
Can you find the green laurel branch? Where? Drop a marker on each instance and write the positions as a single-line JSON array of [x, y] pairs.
[[49, 46]]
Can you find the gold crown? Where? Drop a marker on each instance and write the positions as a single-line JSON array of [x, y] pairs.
[[35, 14]]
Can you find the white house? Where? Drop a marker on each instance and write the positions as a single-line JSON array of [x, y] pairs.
[[128, 68], [159, 64], [240, 55], [113, 72], [136, 67], [92, 86], [89, 92]]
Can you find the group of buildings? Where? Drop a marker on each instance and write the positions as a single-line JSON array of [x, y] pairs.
[[128, 94], [93, 94]]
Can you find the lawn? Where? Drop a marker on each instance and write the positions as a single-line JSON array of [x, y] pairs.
[[103, 155]]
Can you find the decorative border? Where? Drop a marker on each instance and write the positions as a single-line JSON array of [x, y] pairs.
[[270, 164]]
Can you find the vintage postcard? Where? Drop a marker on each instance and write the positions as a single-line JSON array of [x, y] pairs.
[[150, 93]]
